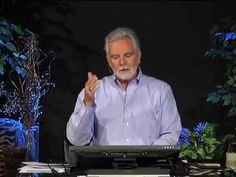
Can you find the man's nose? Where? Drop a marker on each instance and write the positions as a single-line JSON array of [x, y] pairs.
[[122, 61]]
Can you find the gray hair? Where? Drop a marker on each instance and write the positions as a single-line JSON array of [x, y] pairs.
[[120, 33]]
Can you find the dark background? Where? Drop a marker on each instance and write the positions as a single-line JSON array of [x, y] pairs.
[[174, 37]]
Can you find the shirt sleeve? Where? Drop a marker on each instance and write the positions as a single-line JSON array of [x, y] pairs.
[[80, 127], [170, 120]]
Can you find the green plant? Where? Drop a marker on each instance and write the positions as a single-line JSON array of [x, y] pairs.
[[224, 48], [199, 143], [10, 52]]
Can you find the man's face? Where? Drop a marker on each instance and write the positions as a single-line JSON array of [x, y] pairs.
[[123, 58]]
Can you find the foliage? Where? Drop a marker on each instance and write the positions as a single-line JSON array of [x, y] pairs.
[[224, 48], [10, 52], [199, 143], [224, 145], [20, 51]]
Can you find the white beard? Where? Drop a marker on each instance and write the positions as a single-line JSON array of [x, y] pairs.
[[125, 73]]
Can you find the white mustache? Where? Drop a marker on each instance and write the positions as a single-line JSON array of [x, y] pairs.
[[123, 68]]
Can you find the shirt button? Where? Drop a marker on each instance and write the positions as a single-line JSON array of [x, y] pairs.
[[127, 139], [127, 123]]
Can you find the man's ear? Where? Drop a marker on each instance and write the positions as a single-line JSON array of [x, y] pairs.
[[109, 66], [139, 56], [108, 62]]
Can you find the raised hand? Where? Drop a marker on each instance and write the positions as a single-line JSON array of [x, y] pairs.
[[90, 88]]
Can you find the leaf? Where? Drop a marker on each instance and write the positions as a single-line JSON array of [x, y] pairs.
[[234, 51], [233, 100], [17, 29], [229, 57], [227, 100], [230, 81], [5, 31], [2, 62], [16, 54], [219, 86], [213, 97], [216, 99], [232, 112], [3, 22], [1, 69], [206, 53], [28, 33], [221, 91], [226, 97], [21, 71], [201, 153], [23, 57], [10, 46]]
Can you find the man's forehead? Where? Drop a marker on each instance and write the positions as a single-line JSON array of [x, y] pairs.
[[121, 44], [120, 39]]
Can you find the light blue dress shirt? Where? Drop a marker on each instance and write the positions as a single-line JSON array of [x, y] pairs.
[[144, 114]]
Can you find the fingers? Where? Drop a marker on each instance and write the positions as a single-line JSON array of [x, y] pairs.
[[92, 83], [90, 75], [90, 87]]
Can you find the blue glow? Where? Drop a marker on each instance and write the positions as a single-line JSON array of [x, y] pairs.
[[200, 127], [218, 34], [230, 36], [184, 136]]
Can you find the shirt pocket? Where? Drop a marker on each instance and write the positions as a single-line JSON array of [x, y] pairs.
[[157, 115]]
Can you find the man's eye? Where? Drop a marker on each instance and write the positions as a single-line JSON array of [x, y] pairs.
[[128, 55], [114, 57]]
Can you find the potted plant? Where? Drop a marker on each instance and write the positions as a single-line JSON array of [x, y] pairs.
[[25, 83], [224, 48], [199, 143]]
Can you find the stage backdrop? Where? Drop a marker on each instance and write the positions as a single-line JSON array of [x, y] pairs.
[[174, 37]]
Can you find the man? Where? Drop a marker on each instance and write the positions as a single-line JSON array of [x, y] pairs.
[[127, 108]]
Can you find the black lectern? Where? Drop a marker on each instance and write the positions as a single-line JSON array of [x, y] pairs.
[[123, 160]]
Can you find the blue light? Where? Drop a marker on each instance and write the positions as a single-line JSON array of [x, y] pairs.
[[230, 36]]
